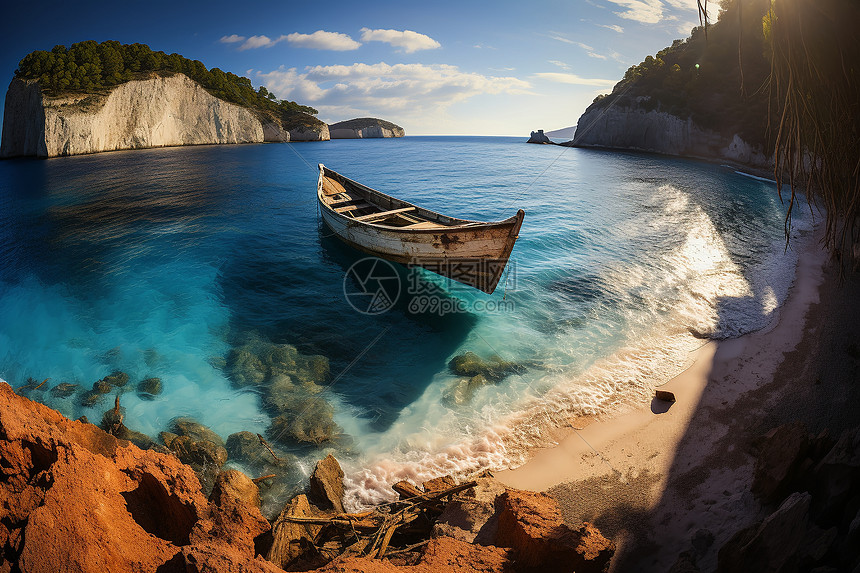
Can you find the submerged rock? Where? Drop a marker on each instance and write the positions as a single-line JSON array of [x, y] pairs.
[[246, 448], [118, 379], [199, 447], [257, 362], [102, 387], [245, 368], [91, 398], [494, 369], [310, 419], [64, 390], [148, 388], [195, 430]]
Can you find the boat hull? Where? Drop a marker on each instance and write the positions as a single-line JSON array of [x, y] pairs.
[[472, 253]]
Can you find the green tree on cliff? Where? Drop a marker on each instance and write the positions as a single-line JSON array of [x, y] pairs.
[[90, 66]]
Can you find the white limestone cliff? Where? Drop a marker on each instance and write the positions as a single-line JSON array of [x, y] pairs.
[[156, 112], [631, 127]]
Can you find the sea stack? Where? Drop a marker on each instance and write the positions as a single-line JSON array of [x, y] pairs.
[[538, 137]]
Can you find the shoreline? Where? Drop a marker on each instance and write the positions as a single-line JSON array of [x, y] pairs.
[[624, 469]]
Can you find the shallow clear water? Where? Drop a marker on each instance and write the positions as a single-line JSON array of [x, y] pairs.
[[159, 262]]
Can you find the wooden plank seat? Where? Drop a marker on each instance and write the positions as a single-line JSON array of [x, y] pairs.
[[356, 207], [383, 214]]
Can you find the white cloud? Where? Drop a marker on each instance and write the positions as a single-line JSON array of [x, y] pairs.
[[260, 42], [322, 40], [564, 78], [407, 40], [644, 11], [560, 38], [613, 27], [562, 65], [654, 11], [231, 39], [383, 89]]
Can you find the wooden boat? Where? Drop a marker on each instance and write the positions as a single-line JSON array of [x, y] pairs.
[[471, 252]]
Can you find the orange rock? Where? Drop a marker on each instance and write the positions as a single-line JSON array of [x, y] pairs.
[[532, 526], [77, 499]]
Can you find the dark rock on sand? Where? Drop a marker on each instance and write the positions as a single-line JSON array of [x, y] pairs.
[[664, 395]]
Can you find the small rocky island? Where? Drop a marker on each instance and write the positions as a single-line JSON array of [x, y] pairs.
[[364, 127]]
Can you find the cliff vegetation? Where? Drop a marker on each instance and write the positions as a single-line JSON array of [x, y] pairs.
[[702, 78], [92, 67]]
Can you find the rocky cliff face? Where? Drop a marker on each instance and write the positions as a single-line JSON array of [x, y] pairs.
[[311, 132], [365, 127], [157, 112], [632, 127]]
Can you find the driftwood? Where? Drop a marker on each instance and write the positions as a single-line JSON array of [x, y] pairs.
[[406, 489], [369, 533], [266, 445]]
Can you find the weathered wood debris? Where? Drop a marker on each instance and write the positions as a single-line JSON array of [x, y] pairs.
[[306, 534]]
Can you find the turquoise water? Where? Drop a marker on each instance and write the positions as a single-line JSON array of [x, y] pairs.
[[160, 262]]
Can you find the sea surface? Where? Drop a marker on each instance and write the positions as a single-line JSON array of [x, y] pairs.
[[167, 262]]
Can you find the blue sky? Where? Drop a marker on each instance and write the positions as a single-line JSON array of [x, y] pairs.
[[442, 67]]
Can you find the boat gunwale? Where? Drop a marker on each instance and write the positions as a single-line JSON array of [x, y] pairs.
[[461, 225]]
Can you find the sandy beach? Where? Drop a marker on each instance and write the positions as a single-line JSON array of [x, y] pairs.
[[671, 478]]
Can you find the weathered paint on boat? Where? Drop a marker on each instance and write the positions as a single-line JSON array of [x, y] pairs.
[[471, 252]]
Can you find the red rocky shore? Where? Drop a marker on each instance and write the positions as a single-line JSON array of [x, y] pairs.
[[76, 498]]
